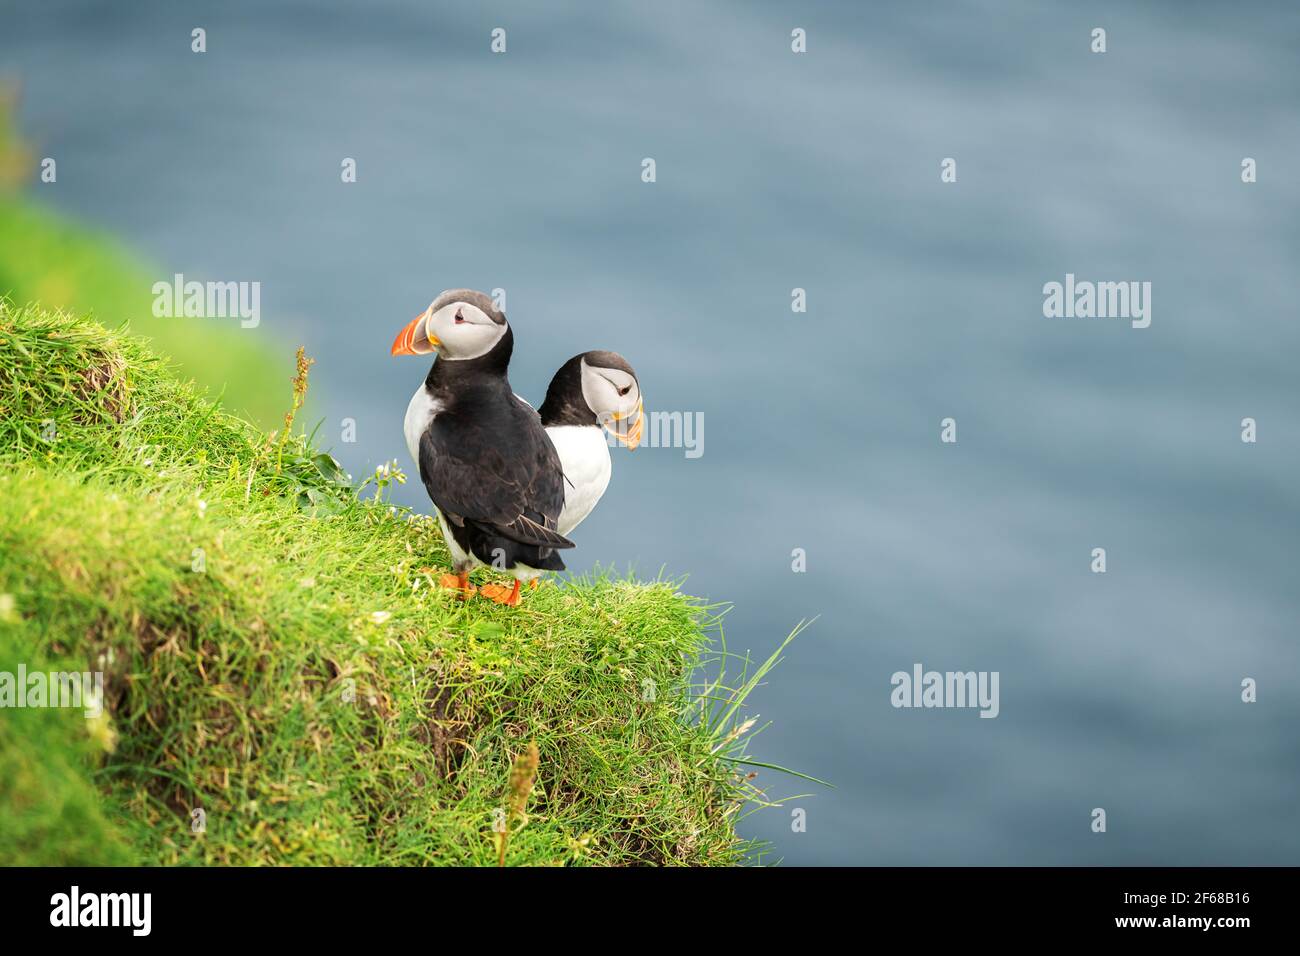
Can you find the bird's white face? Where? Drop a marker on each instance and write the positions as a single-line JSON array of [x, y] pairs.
[[457, 330], [615, 398]]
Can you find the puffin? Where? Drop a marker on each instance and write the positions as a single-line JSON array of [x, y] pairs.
[[484, 457], [591, 391]]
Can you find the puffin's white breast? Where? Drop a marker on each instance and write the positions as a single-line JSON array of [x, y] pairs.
[[584, 456], [419, 413]]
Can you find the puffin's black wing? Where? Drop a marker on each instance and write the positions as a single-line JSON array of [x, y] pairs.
[[498, 471]]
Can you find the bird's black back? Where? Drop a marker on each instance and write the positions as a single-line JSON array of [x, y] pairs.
[[489, 466]]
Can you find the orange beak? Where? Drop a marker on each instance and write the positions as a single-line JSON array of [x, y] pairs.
[[632, 437], [416, 339]]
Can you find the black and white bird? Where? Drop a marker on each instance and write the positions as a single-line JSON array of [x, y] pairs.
[[483, 455], [590, 392]]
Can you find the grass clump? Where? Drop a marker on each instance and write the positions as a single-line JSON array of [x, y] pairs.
[[275, 653], [47, 258]]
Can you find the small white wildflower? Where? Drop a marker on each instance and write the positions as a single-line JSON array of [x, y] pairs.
[[379, 617]]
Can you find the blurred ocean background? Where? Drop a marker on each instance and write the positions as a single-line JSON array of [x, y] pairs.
[[820, 171]]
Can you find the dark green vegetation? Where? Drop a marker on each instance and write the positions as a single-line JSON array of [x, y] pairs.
[[276, 654]]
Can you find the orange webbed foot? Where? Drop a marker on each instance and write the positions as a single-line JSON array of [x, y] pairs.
[[501, 594], [457, 582]]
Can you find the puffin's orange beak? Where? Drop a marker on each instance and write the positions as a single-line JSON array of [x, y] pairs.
[[632, 437], [416, 339]]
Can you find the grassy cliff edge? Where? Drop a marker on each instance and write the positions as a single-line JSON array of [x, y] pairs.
[[275, 654]]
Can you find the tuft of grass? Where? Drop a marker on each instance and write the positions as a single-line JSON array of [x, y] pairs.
[[276, 653], [50, 810], [48, 259], [522, 778]]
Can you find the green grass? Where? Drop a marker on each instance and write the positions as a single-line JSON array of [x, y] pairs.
[[47, 259], [274, 652]]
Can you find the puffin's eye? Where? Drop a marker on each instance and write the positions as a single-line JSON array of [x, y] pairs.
[[460, 319], [625, 389]]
